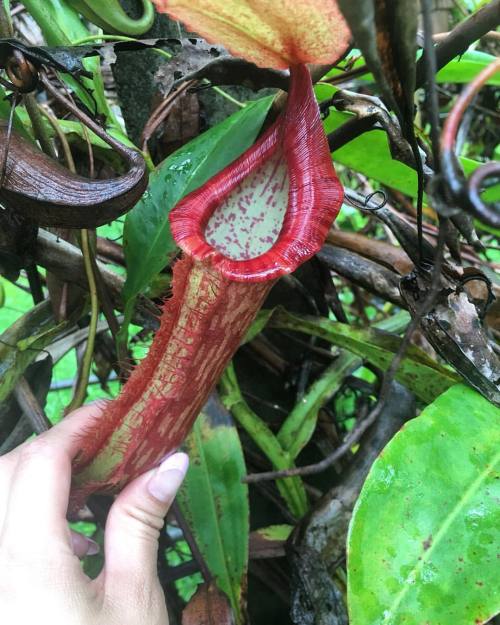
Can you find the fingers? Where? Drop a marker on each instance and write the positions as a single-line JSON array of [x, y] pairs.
[[40, 483], [134, 524]]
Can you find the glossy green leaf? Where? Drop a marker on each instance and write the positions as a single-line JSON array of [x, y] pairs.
[[148, 242], [370, 155], [465, 68], [420, 373], [421, 546], [461, 69], [215, 501]]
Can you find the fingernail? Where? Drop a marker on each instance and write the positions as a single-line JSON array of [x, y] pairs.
[[83, 546], [93, 548], [168, 477]]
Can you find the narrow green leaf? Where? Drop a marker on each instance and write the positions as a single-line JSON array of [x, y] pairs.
[[148, 242], [215, 501], [300, 424], [421, 546], [61, 26], [258, 325], [425, 377], [23, 341], [291, 488]]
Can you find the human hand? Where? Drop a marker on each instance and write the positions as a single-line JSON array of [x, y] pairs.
[[41, 578]]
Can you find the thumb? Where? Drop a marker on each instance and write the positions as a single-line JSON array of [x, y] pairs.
[[135, 520]]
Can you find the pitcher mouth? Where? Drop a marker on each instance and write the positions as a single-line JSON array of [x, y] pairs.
[[271, 209]]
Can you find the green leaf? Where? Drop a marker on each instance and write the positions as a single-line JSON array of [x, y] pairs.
[[215, 501], [422, 375], [421, 541], [61, 26], [148, 242], [23, 341], [5, 112], [275, 532], [300, 424], [370, 155], [291, 488], [258, 325], [461, 69], [465, 68]]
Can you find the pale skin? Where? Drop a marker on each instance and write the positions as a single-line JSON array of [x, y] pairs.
[[41, 579]]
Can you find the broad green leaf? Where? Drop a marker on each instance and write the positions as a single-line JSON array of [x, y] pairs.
[[370, 155], [465, 68], [215, 501], [271, 34], [461, 69], [421, 545], [148, 242], [425, 377]]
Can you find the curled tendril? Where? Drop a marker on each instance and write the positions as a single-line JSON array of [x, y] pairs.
[[363, 203], [22, 74], [467, 193]]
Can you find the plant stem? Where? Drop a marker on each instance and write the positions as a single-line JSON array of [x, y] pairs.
[[84, 372]]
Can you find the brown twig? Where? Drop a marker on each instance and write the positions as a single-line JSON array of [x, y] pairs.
[[457, 42], [161, 112], [30, 407], [190, 539], [460, 38], [346, 76]]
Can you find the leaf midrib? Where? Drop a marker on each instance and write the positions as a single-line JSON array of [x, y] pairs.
[[209, 488], [448, 521]]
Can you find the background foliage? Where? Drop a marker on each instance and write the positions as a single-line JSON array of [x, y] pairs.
[[306, 389]]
